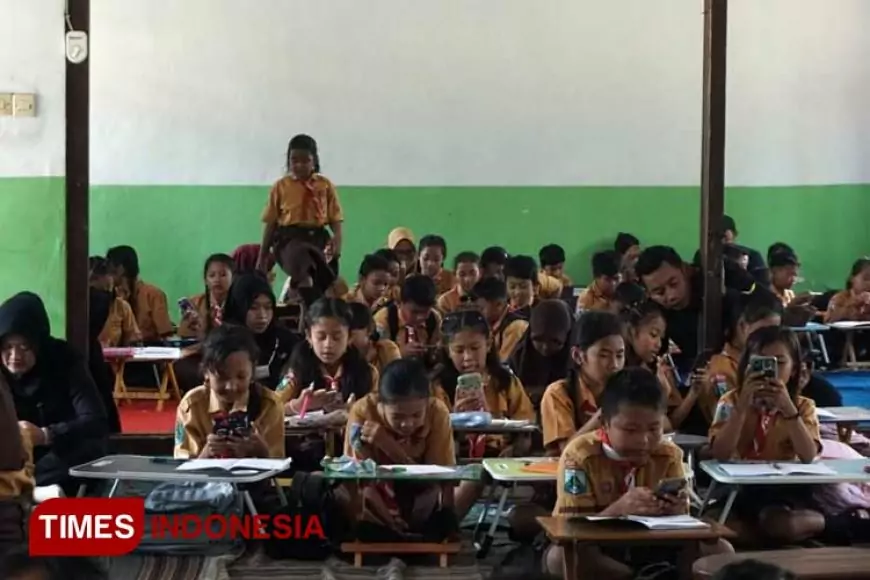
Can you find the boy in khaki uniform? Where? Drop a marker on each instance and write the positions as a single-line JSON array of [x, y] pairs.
[[615, 471]]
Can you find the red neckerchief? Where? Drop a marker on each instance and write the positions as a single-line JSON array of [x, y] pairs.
[[628, 469], [332, 383], [217, 314], [762, 430]]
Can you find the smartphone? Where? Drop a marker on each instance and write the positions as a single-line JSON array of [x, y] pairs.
[[671, 487], [239, 424], [470, 387], [185, 305], [221, 426], [767, 365]]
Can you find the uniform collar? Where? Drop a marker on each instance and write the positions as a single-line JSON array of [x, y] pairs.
[[731, 352]]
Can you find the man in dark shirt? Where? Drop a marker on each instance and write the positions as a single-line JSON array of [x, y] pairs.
[[755, 265]]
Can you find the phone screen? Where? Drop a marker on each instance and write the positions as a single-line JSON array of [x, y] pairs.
[[670, 487]]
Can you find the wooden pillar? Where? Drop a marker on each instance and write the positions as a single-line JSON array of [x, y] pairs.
[[77, 183], [713, 169]]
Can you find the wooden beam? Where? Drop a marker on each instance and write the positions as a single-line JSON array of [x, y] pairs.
[[77, 183], [713, 169]]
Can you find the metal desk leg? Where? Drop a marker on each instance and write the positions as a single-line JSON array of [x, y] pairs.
[[824, 347], [81, 492], [249, 502], [483, 549], [492, 491], [706, 501], [728, 504], [114, 487], [280, 490], [569, 558]]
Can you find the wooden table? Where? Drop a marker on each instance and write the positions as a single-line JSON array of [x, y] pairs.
[[806, 564], [571, 533], [167, 387]]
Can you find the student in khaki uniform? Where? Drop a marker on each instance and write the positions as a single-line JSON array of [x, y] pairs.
[[377, 351], [432, 251], [759, 311], [412, 323], [147, 301], [645, 329], [208, 307], [853, 303], [573, 405], [373, 283], [615, 470], [492, 262], [523, 285], [402, 424], [628, 248], [766, 419], [302, 204], [607, 276], [325, 368], [466, 266], [401, 241], [394, 268], [552, 278], [16, 474], [108, 312], [229, 396], [507, 327]]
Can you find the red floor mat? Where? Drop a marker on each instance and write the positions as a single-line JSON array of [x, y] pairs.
[[143, 417]]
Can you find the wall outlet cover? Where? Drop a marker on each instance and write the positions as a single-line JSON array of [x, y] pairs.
[[5, 104], [24, 105]]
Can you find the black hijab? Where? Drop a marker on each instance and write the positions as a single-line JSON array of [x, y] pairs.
[[276, 342]]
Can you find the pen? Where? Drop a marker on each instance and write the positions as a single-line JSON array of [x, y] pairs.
[[306, 398]]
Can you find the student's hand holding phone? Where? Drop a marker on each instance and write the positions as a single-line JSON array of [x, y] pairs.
[[699, 381], [754, 386], [638, 501], [192, 320], [216, 446], [412, 349], [674, 505], [252, 445], [780, 399]]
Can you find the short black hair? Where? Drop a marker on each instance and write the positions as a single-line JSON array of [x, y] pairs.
[[403, 379], [753, 570], [624, 241], [778, 247], [782, 258], [606, 263], [97, 267], [733, 252], [465, 258], [493, 255], [760, 305], [225, 340], [328, 308], [634, 386], [593, 326], [522, 268], [124, 256], [373, 263], [419, 290], [652, 258], [360, 316], [389, 255], [551, 255], [304, 143], [629, 293], [728, 224], [490, 289], [432, 241]]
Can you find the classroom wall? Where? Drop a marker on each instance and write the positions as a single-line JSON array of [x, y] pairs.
[[32, 154], [565, 123]]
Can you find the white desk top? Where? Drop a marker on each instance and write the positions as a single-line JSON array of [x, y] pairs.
[[848, 471], [811, 327], [843, 415], [144, 468], [510, 469], [686, 441]]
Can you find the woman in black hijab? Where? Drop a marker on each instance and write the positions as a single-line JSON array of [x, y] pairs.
[[251, 303], [55, 397]]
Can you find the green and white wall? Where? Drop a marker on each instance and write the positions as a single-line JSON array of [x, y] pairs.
[[511, 122]]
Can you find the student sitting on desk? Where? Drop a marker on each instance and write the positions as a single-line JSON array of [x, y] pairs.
[[251, 303], [245, 260], [326, 371], [230, 415], [572, 406], [373, 283], [521, 279], [766, 419], [721, 373], [543, 354], [644, 332], [147, 301], [402, 424], [109, 313], [208, 308], [492, 262], [552, 259], [401, 241], [466, 266], [628, 248], [507, 327], [853, 303], [432, 252], [413, 323], [606, 273], [302, 204], [614, 471], [377, 351], [56, 400]]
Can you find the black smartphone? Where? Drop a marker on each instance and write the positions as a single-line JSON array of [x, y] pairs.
[[221, 426], [239, 424], [671, 487]]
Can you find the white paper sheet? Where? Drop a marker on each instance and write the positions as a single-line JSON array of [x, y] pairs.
[[847, 324], [774, 469], [682, 522], [228, 464], [422, 469]]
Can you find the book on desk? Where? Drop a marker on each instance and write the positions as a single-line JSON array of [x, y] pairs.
[[775, 469], [679, 522]]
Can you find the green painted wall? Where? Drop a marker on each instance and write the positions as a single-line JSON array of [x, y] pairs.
[[32, 249], [176, 227]]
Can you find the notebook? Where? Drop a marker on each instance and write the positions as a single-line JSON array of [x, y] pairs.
[[235, 464], [774, 469], [683, 522]]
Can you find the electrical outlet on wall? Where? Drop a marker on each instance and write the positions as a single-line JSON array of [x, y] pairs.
[[5, 104], [24, 105]]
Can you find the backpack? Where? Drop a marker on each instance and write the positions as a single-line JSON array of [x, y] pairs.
[[393, 322]]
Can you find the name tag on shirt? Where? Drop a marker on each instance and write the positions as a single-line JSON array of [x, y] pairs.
[[261, 372]]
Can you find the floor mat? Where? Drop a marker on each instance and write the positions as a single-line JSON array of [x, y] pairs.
[[143, 417]]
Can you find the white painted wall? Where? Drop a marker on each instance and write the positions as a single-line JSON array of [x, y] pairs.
[[32, 61], [468, 92]]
